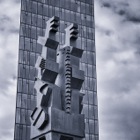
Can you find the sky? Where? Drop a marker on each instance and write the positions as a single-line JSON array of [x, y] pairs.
[[117, 24]]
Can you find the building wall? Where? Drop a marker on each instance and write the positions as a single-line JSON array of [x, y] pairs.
[[34, 14]]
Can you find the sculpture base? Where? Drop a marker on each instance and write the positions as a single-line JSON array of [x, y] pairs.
[[61, 124]]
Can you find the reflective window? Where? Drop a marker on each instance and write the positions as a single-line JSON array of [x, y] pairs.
[[33, 33], [85, 110], [17, 115], [23, 116], [34, 7], [96, 112], [83, 8], [25, 86], [85, 98], [87, 128], [39, 21], [27, 44], [32, 59], [40, 8], [32, 73], [95, 98], [91, 126], [91, 112], [84, 57], [96, 127], [90, 70], [21, 43], [90, 97], [57, 12], [31, 86], [17, 132], [24, 101], [23, 131], [19, 85], [19, 100], [29, 6]]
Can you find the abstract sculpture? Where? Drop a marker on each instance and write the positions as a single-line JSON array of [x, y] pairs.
[[58, 83]]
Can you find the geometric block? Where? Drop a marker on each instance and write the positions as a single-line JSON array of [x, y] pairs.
[[76, 52], [50, 72], [51, 54], [61, 123], [71, 124], [77, 78], [50, 43]]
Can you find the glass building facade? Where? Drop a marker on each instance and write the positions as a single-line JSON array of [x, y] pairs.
[[34, 14]]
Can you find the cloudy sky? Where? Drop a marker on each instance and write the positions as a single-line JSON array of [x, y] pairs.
[[118, 66]]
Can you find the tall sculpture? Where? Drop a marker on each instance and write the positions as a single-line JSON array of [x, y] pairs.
[[58, 83]]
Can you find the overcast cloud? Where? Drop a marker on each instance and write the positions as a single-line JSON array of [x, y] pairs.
[[9, 28], [118, 66]]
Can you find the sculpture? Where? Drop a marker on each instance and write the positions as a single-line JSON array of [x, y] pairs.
[[58, 83]]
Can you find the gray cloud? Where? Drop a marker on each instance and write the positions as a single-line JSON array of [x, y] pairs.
[[118, 66], [129, 9], [9, 27]]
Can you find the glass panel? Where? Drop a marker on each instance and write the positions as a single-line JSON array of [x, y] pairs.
[[45, 10], [91, 126], [87, 128], [29, 112], [33, 33], [23, 132], [83, 7], [84, 57], [32, 59], [90, 97], [19, 85], [17, 132], [32, 73], [20, 56], [96, 112], [85, 98], [39, 21], [29, 103], [23, 5], [87, 137], [25, 86], [18, 100], [39, 48], [23, 17], [29, 6], [96, 127], [17, 115], [27, 44], [31, 85], [28, 133], [34, 20], [23, 114], [28, 18], [27, 72], [95, 98], [91, 112], [90, 70], [85, 110], [24, 101], [40, 8], [91, 58], [33, 102], [34, 7], [21, 43]]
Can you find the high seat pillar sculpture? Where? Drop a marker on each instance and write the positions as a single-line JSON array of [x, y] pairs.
[[58, 83]]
